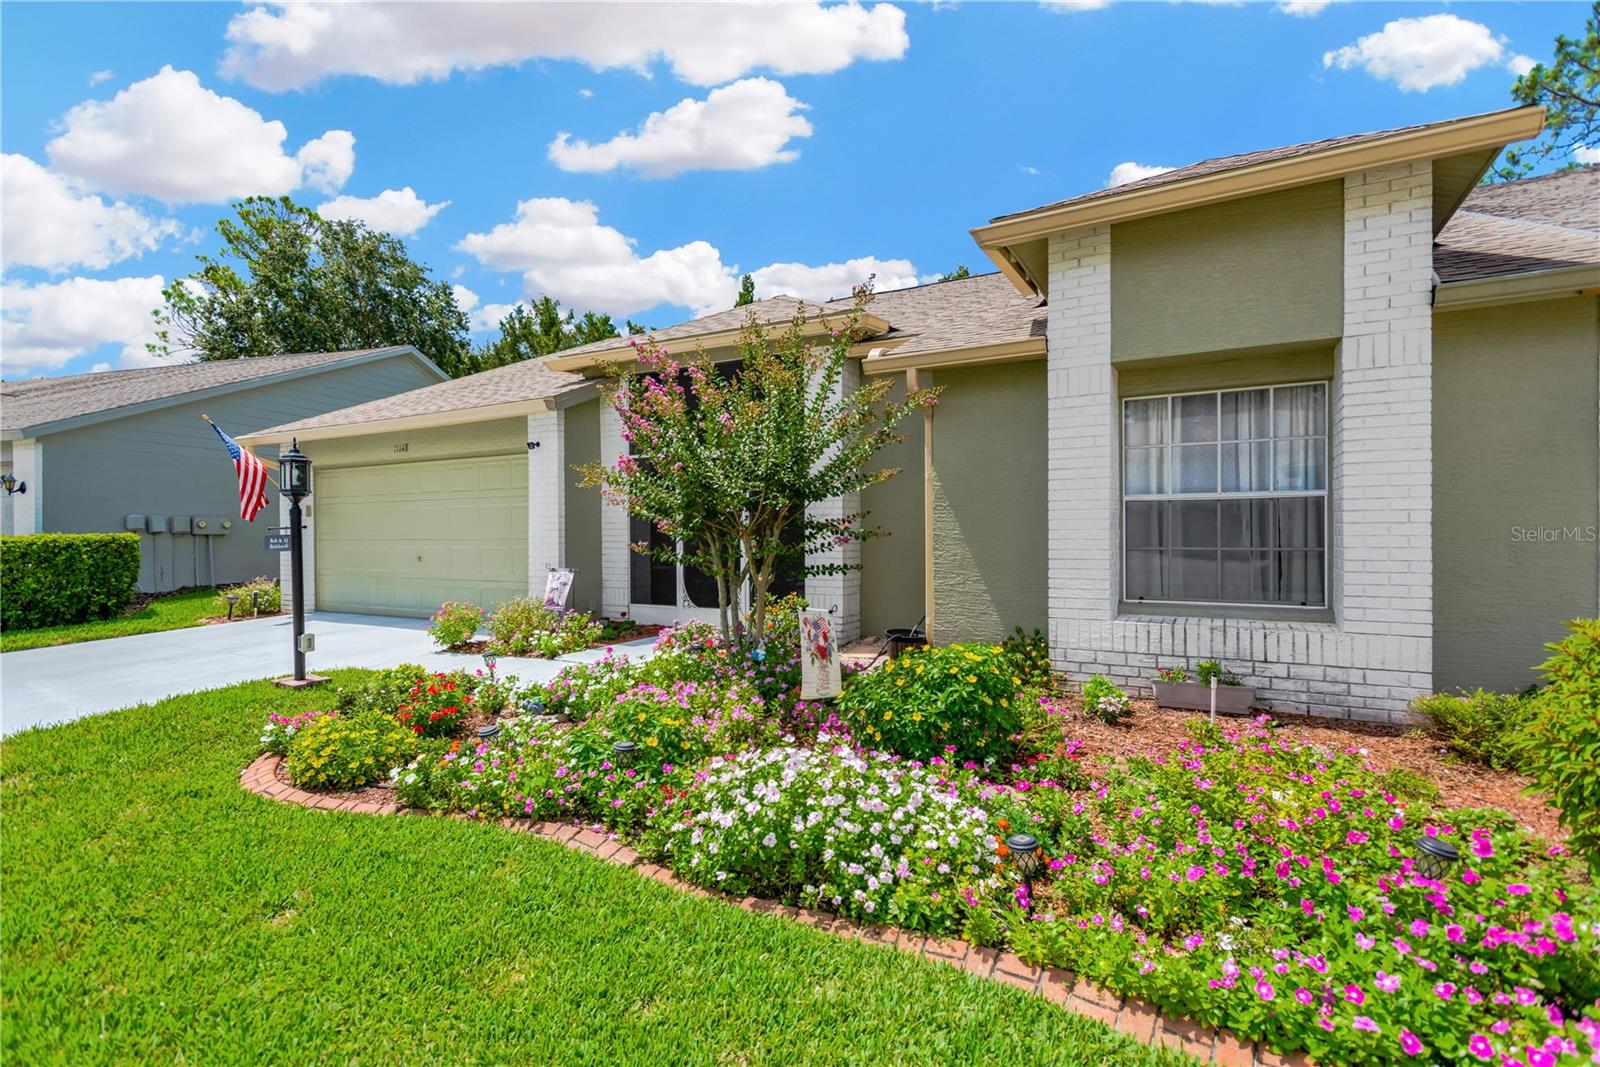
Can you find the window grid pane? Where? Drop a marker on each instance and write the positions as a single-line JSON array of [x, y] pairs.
[[1204, 477]]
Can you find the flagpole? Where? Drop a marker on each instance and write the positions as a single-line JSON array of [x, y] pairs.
[[267, 471]]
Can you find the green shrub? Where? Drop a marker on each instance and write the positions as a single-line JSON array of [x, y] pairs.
[[1208, 669], [1103, 700], [55, 579], [1478, 725], [383, 692], [1560, 746], [523, 626], [932, 699], [1030, 656], [455, 623], [270, 597], [347, 751], [437, 704]]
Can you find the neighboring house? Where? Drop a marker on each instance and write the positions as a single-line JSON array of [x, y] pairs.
[[127, 450], [1329, 413]]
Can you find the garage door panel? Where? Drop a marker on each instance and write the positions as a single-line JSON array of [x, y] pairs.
[[403, 538]]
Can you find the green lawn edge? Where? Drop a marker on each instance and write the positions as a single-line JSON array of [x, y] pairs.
[[176, 612], [155, 911]]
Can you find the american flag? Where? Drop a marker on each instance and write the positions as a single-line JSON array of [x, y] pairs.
[[252, 477]]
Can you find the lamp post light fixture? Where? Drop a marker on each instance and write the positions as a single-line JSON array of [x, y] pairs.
[[1435, 858], [232, 599], [9, 483], [294, 482], [1025, 857]]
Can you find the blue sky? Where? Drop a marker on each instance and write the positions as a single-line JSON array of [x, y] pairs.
[[808, 144]]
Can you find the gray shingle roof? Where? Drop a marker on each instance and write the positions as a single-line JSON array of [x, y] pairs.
[[528, 380], [1218, 164], [982, 310], [771, 310], [1535, 224], [39, 401]]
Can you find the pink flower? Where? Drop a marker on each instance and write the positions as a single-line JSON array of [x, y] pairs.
[[1454, 932], [1410, 1043], [1303, 995], [1444, 990], [1388, 982], [1361, 1022], [1264, 990], [1354, 994], [1481, 1047], [1518, 889]]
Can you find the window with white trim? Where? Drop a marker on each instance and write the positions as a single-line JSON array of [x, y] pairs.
[[1225, 497]]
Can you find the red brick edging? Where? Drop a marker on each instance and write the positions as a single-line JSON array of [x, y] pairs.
[[1131, 1016]]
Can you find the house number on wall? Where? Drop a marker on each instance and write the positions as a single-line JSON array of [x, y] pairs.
[[403, 448]]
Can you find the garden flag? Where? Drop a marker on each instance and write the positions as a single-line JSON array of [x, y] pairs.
[[252, 476], [819, 658], [558, 587]]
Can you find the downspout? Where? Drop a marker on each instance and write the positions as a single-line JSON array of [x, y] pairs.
[[914, 383]]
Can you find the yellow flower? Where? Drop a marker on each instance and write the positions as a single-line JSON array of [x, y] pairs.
[[916, 716], [1004, 703], [899, 681], [652, 742], [972, 678], [974, 657], [888, 715], [888, 668]]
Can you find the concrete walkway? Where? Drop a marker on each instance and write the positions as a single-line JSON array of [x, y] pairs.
[[44, 686]]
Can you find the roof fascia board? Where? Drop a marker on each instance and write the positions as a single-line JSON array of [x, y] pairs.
[[998, 352], [457, 417], [1482, 131], [130, 410], [814, 326], [1517, 288]]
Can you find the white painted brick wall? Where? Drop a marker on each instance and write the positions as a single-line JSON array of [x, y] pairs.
[[839, 593], [25, 510], [1378, 653], [547, 495], [308, 549], [614, 552]]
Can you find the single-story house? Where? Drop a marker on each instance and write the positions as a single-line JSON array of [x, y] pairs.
[[1329, 413], [128, 450]]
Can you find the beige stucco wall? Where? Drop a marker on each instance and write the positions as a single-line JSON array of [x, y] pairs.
[[1517, 485], [1260, 271], [892, 574], [989, 501], [583, 506]]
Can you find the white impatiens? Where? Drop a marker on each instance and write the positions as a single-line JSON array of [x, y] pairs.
[[867, 835]]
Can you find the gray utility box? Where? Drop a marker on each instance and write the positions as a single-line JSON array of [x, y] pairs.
[[155, 524], [133, 522]]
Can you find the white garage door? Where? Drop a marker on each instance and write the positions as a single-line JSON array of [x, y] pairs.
[[402, 538]]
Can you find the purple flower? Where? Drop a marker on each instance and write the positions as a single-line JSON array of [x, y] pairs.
[[1264, 990], [1354, 994], [1361, 1022], [1410, 1043], [1481, 1047], [1388, 982]]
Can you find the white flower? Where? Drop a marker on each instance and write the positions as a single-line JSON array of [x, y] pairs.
[[769, 840]]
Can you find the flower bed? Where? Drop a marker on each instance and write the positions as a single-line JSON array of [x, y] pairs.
[[1243, 878]]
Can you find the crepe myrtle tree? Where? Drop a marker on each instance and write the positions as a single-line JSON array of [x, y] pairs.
[[727, 464]]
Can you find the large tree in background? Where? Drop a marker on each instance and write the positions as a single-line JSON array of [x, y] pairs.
[[288, 280], [1568, 88], [539, 330]]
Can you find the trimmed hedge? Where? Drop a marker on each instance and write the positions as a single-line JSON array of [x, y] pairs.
[[55, 579]]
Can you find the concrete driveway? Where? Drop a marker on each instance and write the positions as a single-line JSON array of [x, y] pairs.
[[43, 686]]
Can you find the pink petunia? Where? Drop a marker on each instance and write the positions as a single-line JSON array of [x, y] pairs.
[[1481, 1047], [1264, 990], [1362, 1022], [1409, 1043]]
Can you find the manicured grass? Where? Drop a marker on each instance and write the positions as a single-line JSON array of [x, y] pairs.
[[155, 912], [173, 612]]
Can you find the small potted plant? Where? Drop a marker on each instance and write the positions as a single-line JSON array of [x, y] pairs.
[[1175, 690]]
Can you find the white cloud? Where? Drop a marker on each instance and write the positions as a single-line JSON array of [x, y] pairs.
[[833, 280], [171, 138], [586, 93], [564, 251], [1423, 53], [52, 226], [1303, 8], [1032, 172], [290, 46], [466, 299], [98, 367], [1520, 64], [1074, 5], [486, 317], [1123, 173], [741, 126], [46, 326], [1586, 155], [99, 76], [398, 211]]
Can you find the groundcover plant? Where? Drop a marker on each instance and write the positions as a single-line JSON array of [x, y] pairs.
[[1241, 878]]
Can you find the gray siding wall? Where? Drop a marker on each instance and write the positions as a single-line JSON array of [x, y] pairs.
[[892, 565], [1516, 488], [1259, 271], [583, 506], [169, 462], [989, 508]]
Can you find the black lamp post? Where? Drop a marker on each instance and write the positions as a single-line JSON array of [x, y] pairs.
[[1435, 858], [1025, 857], [294, 482]]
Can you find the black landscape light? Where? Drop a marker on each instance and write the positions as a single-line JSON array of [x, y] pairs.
[[1435, 858], [232, 599], [489, 732], [1025, 857], [489, 660], [624, 751], [255, 602]]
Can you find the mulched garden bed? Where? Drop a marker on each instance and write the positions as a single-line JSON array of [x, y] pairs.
[[1387, 748]]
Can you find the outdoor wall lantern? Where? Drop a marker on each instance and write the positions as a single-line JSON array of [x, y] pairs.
[[1435, 858], [1025, 857], [232, 599], [9, 483]]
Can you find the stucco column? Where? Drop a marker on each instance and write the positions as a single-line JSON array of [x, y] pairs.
[[614, 552], [839, 594], [1084, 469], [308, 509], [547, 496], [25, 511], [1382, 467]]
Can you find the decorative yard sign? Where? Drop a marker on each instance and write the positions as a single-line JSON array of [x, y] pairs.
[[558, 587], [278, 542], [819, 657]]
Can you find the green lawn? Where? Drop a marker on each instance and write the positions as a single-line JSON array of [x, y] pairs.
[[166, 613], [155, 912]]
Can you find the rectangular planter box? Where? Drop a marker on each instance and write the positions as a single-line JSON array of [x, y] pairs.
[[1231, 699]]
